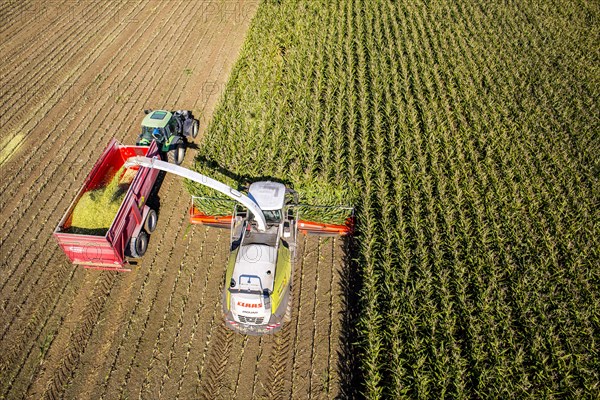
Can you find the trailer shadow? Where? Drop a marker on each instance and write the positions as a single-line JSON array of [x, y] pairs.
[[154, 198]]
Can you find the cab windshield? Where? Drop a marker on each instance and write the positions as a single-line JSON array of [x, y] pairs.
[[272, 216], [147, 133]]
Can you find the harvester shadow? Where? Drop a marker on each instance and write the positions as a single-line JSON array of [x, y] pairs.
[[350, 284], [243, 180]]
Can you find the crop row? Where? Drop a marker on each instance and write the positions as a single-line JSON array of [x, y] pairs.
[[465, 133]]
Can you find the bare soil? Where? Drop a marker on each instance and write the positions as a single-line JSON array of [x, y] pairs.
[[73, 76]]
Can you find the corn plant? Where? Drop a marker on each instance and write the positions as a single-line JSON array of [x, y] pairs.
[[466, 135]]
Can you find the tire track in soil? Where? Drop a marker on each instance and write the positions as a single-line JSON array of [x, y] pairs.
[[177, 222], [212, 374], [279, 365], [245, 373], [41, 90], [47, 139], [29, 250], [231, 371], [322, 320], [70, 319], [51, 321], [143, 305], [112, 317], [301, 359], [78, 341], [27, 209], [134, 378], [202, 314], [166, 324], [214, 325], [188, 298]]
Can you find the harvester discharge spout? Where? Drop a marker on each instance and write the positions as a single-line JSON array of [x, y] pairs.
[[203, 180]]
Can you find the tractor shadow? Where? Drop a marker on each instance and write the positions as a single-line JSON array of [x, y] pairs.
[[192, 145]]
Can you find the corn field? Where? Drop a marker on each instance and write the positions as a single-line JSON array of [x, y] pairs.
[[467, 136]]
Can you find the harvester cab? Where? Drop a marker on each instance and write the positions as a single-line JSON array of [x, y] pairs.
[[171, 131], [264, 224]]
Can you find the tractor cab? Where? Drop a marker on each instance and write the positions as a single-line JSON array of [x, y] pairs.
[[170, 130], [158, 126]]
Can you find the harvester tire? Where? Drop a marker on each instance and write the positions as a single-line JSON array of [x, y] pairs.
[[139, 244], [288, 310], [151, 221]]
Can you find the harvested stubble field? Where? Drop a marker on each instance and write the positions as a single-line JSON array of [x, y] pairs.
[[73, 76]]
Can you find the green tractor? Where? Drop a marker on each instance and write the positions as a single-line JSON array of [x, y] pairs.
[[170, 130]]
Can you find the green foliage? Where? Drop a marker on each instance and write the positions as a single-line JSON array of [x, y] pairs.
[[466, 133]]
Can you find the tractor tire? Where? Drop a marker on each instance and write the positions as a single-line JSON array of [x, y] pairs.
[[194, 129], [151, 221], [138, 245], [176, 155]]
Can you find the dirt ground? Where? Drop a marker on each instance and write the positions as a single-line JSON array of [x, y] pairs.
[[75, 74]]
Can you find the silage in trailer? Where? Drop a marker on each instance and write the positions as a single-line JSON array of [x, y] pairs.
[[96, 209]]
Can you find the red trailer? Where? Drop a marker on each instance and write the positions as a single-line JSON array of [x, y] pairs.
[[127, 236]]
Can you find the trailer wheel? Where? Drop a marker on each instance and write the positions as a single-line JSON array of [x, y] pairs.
[[194, 129], [151, 221], [138, 245]]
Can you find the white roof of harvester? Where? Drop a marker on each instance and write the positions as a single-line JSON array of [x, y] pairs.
[[268, 195]]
